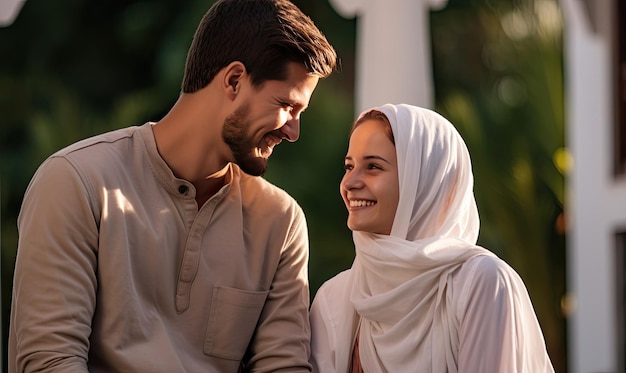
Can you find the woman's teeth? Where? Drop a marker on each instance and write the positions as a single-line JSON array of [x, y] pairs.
[[361, 203]]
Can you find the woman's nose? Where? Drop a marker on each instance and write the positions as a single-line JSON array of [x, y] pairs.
[[351, 180]]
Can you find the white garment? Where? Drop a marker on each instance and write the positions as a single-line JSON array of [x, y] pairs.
[[427, 298]]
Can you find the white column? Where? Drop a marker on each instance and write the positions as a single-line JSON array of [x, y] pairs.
[[393, 61], [596, 199], [9, 9]]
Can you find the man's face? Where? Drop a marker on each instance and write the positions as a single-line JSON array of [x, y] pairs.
[[268, 115]]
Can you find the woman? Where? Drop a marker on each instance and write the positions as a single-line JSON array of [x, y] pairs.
[[420, 295]]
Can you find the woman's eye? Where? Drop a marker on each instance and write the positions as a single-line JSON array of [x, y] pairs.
[[347, 167], [373, 167]]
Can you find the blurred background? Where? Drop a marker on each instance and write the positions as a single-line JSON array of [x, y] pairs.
[[70, 69]]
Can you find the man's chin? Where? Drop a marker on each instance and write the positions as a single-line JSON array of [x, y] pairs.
[[254, 167]]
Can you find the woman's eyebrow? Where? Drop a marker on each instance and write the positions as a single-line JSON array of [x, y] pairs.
[[376, 157], [369, 157]]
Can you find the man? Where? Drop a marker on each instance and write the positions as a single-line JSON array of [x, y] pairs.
[[157, 248]]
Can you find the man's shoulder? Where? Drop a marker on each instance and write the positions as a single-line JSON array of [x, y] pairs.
[[264, 197], [107, 156], [96, 143], [261, 187]]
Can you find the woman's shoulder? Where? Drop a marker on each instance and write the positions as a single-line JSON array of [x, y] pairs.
[[487, 268], [337, 284], [487, 277]]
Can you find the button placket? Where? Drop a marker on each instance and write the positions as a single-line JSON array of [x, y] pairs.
[[191, 256]]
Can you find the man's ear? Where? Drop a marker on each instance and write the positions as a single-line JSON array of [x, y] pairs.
[[232, 78]]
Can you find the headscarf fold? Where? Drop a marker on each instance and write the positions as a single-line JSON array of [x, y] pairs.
[[399, 281]]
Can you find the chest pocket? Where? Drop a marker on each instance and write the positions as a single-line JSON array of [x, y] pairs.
[[232, 320]]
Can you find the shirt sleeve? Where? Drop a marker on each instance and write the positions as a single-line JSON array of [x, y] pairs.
[[499, 330], [54, 292], [282, 339]]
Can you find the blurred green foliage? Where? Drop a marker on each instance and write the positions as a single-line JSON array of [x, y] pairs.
[[499, 79], [70, 69]]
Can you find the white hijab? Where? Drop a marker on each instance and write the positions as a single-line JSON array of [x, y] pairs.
[[399, 281]]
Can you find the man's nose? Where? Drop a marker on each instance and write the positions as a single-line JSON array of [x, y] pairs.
[[291, 129]]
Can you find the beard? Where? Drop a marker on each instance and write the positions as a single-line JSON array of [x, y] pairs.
[[242, 147]]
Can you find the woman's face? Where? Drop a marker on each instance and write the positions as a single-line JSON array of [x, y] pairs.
[[370, 187]]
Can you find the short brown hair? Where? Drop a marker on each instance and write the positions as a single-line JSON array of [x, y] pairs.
[[375, 115], [265, 35]]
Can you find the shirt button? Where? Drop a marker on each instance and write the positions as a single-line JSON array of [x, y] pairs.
[[182, 189]]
